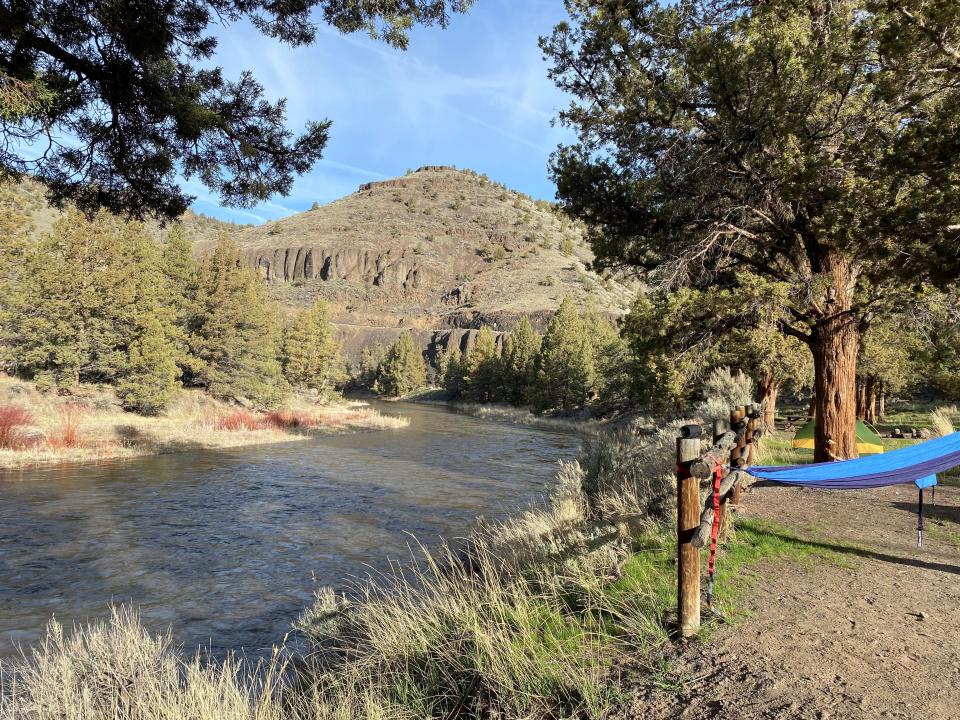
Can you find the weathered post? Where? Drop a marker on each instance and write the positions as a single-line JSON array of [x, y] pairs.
[[744, 451], [688, 520]]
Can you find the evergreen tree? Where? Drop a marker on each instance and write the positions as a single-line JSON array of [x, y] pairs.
[[311, 353], [483, 376], [565, 364], [519, 362], [135, 88], [610, 355], [14, 230], [811, 142], [179, 279], [91, 307], [151, 377], [371, 358], [403, 369], [452, 370], [234, 330]]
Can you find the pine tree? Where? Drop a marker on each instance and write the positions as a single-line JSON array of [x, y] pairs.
[[234, 330], [149, 377], [179, 278], [519, 362], [311, 353], [565, 364], [14, 230], [403, 369], [483, 376]]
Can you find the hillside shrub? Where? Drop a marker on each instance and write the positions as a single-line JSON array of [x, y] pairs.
[[238, 420], [723, 390], [12, 417], [68, 432], [628, 474]]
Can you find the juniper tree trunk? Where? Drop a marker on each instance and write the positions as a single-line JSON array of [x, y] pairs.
[[882, 400], [861, 399], [769, 390], [834, 343]]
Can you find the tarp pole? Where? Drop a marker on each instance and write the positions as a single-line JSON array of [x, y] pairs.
[[920, 520]]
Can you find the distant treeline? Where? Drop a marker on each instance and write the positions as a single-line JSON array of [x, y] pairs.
[[103, 301], [579, 360]]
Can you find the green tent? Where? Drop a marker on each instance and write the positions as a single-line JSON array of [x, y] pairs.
[[868, 442]]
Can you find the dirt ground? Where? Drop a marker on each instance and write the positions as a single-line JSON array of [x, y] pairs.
[[876, 635]]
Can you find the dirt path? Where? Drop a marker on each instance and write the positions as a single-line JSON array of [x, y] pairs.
[[875, 636]]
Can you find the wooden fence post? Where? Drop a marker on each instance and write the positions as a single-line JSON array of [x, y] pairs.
[[688, 556]]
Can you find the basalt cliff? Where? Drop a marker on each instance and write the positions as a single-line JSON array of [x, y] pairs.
[[439, 252]]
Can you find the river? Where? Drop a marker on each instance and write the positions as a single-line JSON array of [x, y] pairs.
[[225, 547]]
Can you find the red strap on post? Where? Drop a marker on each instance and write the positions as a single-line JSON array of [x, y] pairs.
[[715, 530]]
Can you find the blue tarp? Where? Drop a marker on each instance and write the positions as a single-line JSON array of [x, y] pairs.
[[918, 464]]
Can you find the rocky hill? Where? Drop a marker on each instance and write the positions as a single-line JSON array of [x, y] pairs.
[[439, 251]]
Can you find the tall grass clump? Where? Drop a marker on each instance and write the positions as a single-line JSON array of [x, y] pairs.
[[722, 390], [527, 620], [12, 417], [940, 422], [485, 640], [117, 669]]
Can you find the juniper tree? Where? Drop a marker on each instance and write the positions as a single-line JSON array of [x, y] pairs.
[[889, 352], [311, 353], [610, 356], [565, 369], [403, 369], [235, 330], [90, 306], [483, 371], [811, 143], [178, 268], [370, 359], [108, 103], [519, 361], [452, 370]]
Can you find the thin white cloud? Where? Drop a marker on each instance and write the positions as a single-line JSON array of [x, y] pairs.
[[352, 169]]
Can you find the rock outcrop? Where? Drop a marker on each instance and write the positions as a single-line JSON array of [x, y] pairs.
[[439, 252]]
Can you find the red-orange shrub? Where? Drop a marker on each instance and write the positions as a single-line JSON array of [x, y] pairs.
[[238, 420], [68, 435], [289, 419], [11, 417]]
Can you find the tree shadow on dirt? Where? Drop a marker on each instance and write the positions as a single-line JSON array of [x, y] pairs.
[[947, 513], [872, 554]]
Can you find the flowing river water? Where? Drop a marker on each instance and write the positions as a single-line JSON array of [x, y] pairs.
[[225, 548]]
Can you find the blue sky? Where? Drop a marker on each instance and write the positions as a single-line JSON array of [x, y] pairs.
[[475, 95]]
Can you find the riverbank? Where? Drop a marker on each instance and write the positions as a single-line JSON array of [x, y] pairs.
[[90, 426], [536, 616], [499, 412]]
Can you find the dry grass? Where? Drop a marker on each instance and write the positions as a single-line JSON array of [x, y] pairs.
[[940, 421], [92, 427], [119, 670]]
